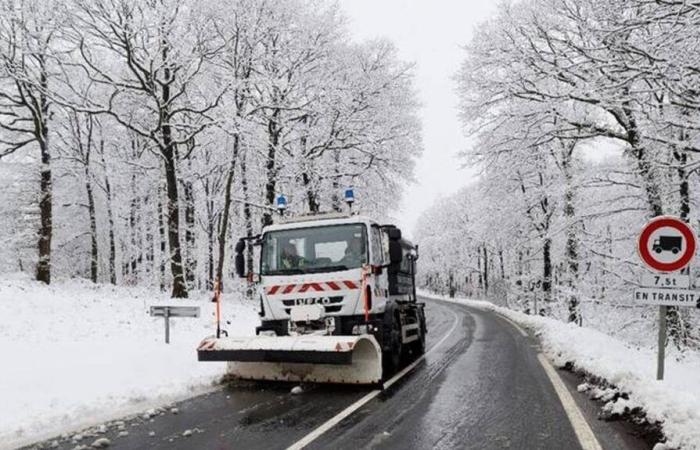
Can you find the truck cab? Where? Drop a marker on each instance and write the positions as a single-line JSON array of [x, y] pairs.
[[341, 264], [338, 275]]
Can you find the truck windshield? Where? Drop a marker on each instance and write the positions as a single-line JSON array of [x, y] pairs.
[[314, 249]]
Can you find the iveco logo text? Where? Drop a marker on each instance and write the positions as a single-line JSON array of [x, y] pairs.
[[312, 301]]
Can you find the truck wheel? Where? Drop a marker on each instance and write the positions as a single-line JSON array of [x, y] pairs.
[[391, 356], [675, 250], [419, 347]]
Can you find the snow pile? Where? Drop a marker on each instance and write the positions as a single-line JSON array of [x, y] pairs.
[[77, 354], [674, 401]]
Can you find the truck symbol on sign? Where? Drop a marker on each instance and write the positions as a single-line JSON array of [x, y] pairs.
[[668, 244]]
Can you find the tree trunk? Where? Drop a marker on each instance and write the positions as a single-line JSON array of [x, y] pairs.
[[678, 328], [480, 281], [41, 132], [311, 196], [94, 256], [247, 213], [486, 271], [451, 284], [501, 265], [651, 187], [547, 273], [223, 225], [132, 268], [190, 243], [173, 214], [683, 187], [273, 130], [168, 152], [210, 235], [43, 267], [335, 195], [571, 246], [110, 219], [163, 242]]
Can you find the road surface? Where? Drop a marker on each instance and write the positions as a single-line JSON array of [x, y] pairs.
[[481, 385]]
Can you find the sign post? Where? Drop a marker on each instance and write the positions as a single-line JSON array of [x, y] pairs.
[[666, 245]]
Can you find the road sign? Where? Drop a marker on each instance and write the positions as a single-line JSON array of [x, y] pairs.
[[173, 311], [667, 297], [666, 244], [665, 280]]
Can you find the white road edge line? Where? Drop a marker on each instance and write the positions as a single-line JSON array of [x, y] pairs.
[[335, 420], [583, 431]]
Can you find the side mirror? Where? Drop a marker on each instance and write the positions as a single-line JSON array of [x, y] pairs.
[[395, 252], [394, 234], [239, 259]]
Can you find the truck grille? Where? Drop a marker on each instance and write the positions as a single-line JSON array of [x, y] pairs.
[[330, 304]]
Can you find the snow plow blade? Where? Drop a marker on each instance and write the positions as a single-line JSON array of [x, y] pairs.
[[317, 359]]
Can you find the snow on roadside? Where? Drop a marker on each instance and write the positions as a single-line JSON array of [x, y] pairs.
[[77, 354], [674, 401]]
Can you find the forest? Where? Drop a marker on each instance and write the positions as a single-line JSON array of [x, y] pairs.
[[140, 140], [583, 118]]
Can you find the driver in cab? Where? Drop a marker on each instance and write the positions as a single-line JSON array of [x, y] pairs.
[[290, 259], [354, 253]]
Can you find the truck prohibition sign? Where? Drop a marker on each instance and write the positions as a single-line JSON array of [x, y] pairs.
[[666, 244]]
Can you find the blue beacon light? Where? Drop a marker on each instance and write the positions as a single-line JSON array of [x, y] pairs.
[[349, 196], [281, 203]]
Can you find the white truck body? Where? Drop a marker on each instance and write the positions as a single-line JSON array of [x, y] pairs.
[[324, 284]]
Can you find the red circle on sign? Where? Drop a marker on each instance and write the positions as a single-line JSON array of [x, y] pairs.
[[671, 222]]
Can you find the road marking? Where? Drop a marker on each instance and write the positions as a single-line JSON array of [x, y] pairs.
[[517, 327], [583, 431], [410, 367], [335, 420]]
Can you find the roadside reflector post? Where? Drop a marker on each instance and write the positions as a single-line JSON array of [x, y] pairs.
[[166, 312], [667, 246]]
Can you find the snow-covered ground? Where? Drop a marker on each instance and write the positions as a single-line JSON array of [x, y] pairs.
[[76, 354], [674, 401]]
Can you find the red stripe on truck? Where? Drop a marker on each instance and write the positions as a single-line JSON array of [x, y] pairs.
[[321, 286], [273, 290]]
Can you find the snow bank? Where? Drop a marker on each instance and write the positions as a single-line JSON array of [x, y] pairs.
[[76, 354], [674, 401]]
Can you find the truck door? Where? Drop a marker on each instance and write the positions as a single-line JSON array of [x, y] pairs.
[[378, 258]]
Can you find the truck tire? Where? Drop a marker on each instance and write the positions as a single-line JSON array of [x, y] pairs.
[[392, 349], [419, 345]]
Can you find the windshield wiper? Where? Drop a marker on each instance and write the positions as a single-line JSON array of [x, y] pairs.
[[326, 269]]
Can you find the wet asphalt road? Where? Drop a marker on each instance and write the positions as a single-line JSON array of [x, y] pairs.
[[479, 387]]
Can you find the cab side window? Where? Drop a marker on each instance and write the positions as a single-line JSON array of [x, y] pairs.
[[377, 247]]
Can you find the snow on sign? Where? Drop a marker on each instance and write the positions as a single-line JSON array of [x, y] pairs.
[[666, 244]]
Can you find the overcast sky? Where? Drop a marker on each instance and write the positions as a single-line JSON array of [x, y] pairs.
[[430, 34]]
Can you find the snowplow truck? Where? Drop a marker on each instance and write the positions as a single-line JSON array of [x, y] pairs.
[[337, 299]]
